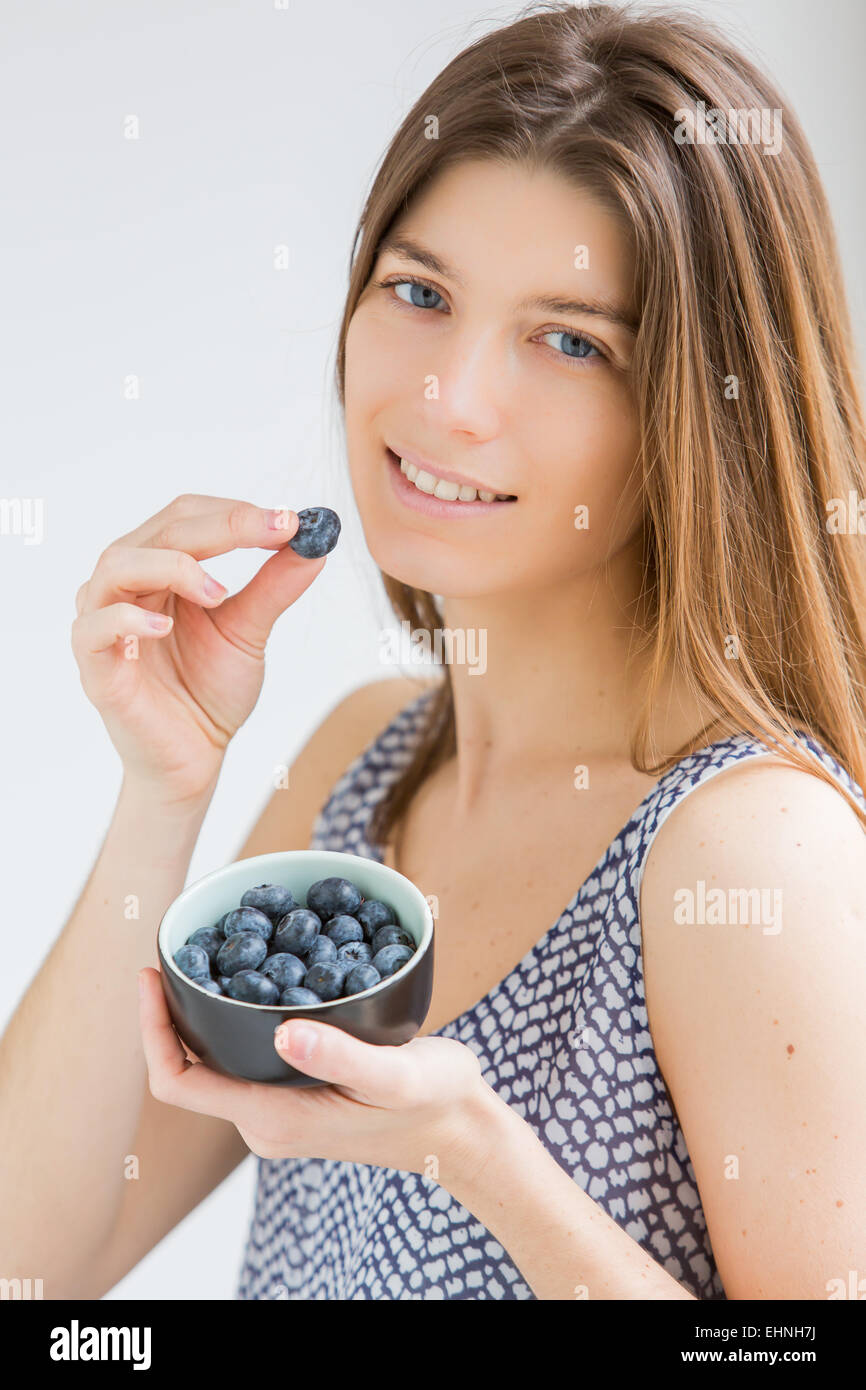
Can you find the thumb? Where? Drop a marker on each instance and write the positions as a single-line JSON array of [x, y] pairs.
[[378, 1075], [253, 610]]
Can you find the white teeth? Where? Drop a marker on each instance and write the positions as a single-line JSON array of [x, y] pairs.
[[447, 491], [425, 482], [439, 487]]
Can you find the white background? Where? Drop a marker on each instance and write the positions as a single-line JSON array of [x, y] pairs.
[[258, 127]]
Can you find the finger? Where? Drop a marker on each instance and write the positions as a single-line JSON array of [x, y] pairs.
[[173, 1078], [254, 609], [233, 525], [382, 1076], [97, 632], [132, 570], [187, 506]]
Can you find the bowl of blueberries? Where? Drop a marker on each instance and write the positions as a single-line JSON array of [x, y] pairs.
[[296, 934]]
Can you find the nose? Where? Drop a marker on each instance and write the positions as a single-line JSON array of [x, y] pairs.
[[471, 388]]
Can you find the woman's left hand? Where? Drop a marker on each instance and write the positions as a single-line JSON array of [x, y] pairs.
[[414, 1107]]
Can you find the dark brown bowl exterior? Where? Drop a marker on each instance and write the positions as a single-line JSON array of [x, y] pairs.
[[238, 1039]]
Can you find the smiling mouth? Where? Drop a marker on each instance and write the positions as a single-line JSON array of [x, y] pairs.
[[443, 489]]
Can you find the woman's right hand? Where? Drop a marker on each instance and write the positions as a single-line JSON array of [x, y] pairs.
[[171, 702]]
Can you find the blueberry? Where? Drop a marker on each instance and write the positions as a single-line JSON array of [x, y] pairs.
[[296, 994], [326, 978], [373, 914], [270, 898], [252, 988], [210, 939], [248, 919], [318, 529], [220, 925], [330, 897], [245, 950], [193, 961], [323, 948], [297, 931], [362, 977], [224, 982], [343, 928], [391, 958], [391, 936], [211, 986], [355, 951], [284, 969]]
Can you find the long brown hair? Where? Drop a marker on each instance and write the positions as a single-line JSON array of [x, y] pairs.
[[738, 281]]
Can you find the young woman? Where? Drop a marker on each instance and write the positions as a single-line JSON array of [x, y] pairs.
[[642, 1071]]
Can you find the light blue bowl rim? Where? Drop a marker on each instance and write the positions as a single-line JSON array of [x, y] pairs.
[[311, 865]]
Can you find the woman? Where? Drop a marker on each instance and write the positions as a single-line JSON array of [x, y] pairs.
[[600, 406]]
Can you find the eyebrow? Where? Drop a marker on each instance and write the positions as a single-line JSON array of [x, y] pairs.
[[410, 250]]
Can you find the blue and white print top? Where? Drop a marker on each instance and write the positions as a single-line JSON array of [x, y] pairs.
[[563, 1039]]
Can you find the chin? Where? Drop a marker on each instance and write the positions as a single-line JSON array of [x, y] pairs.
[[414, 562]]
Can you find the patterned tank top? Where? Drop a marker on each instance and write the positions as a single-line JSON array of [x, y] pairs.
[[564, 1039]]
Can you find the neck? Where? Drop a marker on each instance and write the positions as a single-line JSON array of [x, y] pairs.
[[548, 679]]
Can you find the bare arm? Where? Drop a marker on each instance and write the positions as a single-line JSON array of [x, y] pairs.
[[110, 1223], [757, 1020], [71, 1070]]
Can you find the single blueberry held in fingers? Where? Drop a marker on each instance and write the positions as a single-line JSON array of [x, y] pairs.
[[323, 948], [297, 931], [245, 950], [284, 969], [355, 951], [326, 978], [342, 929], [317, 533], [248, 919], [391, 958], [252, 988], [193, 961], [391, 936], [329, 897], [210, 939], [362, 977], [271, 898], [296, 994], [373, 914]]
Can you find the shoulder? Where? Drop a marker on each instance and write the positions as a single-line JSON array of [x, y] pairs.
[[347, 730], [366, 711], [324, 754], [754, 949], [759, 809]]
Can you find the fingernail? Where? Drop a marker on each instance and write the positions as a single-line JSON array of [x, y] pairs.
[[279, 518], [213, 588], [298, 1042], [159, 621]]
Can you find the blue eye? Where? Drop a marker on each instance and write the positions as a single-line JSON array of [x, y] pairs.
[[584, 346], [424, 291]]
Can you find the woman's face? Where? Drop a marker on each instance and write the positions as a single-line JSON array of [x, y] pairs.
[[467, 382]]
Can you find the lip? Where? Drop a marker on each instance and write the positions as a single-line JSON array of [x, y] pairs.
[[447, 474], [425, 502]]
